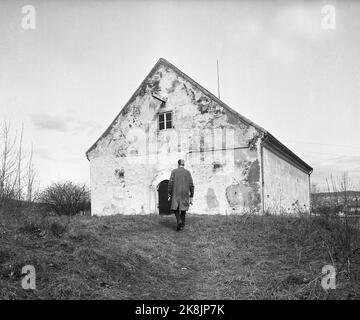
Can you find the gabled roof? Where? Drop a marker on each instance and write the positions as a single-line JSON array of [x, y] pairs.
[[271, 140]]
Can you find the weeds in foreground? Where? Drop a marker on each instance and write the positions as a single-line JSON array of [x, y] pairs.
[[143, 257]]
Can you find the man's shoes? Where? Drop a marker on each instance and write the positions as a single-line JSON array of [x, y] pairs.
[[178, 228]]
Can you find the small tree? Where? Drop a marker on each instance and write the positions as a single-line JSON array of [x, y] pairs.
[[66, 198], [18, 179]]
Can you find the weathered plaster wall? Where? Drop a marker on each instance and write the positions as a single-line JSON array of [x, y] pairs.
[[286, 188], [132, 158]]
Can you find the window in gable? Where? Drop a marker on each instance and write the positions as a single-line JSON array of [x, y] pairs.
[[165, 120]]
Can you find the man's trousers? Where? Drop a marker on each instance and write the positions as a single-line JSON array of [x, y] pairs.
[[180, 218]]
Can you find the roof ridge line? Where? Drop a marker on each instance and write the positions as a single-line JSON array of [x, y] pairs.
[[125, 105], [205, 91], [212, 96]]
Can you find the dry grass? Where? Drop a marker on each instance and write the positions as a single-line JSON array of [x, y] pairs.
[[143, 257]]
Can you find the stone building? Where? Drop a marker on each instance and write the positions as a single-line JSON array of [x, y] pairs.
[[236, 165]]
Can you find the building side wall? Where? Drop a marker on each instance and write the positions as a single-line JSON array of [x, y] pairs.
[[286, 188]]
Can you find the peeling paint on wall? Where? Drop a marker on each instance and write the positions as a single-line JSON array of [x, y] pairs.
[[237, 195], [252, 180], [211, 199], [120, 173]]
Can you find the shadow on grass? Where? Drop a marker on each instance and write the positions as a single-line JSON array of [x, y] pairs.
[[168, 221]]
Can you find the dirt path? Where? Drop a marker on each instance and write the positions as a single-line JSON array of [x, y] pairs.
[[185, 287], [196, 263]]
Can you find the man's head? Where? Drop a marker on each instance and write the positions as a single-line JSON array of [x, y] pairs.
[[181, 163]]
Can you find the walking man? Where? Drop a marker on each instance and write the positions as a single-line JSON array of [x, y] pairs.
[[181, 193]]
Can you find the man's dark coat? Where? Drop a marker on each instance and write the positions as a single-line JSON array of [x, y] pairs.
[[180, 189]]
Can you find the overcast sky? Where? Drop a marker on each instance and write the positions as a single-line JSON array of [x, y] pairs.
[[69, 77]]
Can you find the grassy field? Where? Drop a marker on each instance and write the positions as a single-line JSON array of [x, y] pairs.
[[143, 257]]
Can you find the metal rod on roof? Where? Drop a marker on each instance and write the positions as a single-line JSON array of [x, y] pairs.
[[218, 82]]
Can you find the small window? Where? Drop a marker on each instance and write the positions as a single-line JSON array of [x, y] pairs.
[[165, 120]]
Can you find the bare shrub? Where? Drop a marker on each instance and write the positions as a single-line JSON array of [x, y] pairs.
[[66, 198]]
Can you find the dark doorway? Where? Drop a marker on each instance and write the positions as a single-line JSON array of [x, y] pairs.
[[164, 204]]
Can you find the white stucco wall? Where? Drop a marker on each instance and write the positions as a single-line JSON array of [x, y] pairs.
[[286, 188], [130, 160]]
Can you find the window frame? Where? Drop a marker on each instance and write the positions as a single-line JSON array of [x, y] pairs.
[[165, 121]]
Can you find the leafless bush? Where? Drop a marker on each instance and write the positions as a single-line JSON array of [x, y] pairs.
[[66, 198]]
